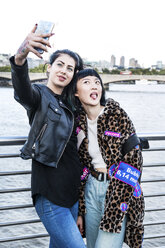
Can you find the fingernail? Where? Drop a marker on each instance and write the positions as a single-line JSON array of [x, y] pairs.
[[52, 34]]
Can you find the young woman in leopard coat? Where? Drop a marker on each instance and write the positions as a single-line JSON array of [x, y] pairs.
[[111, 197]]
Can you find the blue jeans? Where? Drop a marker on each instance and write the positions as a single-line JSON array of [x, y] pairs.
[[60, 223], [94, 199]]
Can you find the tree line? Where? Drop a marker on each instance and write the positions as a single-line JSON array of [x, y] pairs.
[[135, 71]]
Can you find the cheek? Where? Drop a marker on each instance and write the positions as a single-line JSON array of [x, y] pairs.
[[81, 94], [70, 76]]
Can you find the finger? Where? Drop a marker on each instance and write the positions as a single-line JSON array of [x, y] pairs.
[[34, 28], [40, 39], [33, 50], [35, 44], [40, 46]]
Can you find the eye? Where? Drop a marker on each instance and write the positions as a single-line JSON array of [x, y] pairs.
[[70, 69], [59, 64], [86, 82], [97, 82]]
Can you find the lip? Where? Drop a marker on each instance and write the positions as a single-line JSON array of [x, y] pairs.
[[61, 78]]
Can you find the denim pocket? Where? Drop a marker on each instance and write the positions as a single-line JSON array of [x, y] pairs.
[[90, 179], [43, 205]]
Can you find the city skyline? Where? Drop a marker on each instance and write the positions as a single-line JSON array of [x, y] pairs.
[[109, 64]]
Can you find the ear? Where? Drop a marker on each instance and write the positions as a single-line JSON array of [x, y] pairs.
[[76, 94], [49, 67]]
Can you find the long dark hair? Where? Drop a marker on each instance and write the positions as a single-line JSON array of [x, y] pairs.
[[73, 101]]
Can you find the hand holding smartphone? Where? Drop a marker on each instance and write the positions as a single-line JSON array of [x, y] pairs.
[[44, 27]]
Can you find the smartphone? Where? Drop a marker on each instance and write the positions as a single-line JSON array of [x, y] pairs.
[[44, 27]]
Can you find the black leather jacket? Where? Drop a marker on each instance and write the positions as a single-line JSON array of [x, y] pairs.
[[51, 121]]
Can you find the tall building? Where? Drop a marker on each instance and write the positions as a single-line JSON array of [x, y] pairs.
[[133, 63], [159, 65], [122, 61], [113, 61]]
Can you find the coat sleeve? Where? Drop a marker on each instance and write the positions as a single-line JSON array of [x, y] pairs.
[[24, 93], [85, 161], [82, 199]]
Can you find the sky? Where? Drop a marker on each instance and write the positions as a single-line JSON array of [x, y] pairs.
[[96, 29]]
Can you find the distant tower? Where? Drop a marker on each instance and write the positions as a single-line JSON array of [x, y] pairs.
[[113, 61], [133, 63], [122, 61], [159, 65]]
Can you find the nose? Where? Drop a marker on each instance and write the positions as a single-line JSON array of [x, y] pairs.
[[63, 70], [94, 85]]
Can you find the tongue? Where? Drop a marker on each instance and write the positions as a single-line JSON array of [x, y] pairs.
[[93, 96]]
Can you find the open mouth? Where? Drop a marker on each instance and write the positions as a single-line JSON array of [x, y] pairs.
[[94, 95]]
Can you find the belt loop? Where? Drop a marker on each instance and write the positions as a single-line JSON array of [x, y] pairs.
[[105, 177], [100, 177]]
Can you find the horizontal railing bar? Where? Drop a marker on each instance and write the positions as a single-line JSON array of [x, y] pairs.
[[152, 136], [28, 189], [154, 223], [13, 173], [17, 238], [14, 190], [154, 209], [154, 195], [155, 149], [31, 205], [20, 140], [154, 165], [16, 155], [16, 207], [153, 180], [22, 222], [154, 236], [10, 173], [43, 235], [12, 141], [32, 221]]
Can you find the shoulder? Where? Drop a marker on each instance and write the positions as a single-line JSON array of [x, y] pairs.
[[112, 107]]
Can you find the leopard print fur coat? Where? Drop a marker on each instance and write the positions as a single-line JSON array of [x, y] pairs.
[[115, 120]]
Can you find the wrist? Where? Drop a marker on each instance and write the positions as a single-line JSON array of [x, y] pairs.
[[19, 59]]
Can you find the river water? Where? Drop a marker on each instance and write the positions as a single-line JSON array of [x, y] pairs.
[[145, 104]]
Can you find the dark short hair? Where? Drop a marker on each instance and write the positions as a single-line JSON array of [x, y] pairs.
[[72, 99]]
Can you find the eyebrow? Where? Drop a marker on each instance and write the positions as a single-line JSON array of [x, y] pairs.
[[64, 63], [96, 78]]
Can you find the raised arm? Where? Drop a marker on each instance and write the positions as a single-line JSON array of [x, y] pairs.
[[24, 93]]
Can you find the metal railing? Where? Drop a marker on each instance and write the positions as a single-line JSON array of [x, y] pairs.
[[16, 141]]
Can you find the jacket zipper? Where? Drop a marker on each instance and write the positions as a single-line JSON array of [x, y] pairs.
[[68, 137], [39, 137], [41, 133]]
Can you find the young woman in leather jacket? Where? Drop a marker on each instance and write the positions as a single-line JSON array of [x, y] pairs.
[[52, 142]]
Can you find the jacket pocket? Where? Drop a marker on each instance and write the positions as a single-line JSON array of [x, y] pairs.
[[54, 113]]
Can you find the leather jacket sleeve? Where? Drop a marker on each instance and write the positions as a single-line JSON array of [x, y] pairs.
[[24, 93]]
